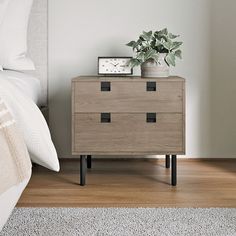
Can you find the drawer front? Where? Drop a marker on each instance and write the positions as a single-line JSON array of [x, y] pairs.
[[128, 133], [128, 96]]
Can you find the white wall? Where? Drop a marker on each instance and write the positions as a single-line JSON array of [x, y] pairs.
[[80, 31], [223, 79]]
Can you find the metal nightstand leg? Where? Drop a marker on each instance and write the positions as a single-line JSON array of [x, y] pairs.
[[168, 161], [173, 170], [82, 170], [89, 161]]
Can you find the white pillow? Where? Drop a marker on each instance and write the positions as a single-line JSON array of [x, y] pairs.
[[13, 36], [3, 7], [26, 83], [32, 124]]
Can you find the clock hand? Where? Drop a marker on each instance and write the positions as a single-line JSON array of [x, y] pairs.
[[114, 64]]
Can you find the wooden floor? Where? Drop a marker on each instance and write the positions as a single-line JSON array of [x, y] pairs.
[[134, 183]]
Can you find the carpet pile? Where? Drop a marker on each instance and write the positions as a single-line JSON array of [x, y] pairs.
[[121, 221]]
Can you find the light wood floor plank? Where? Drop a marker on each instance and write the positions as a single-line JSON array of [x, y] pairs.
[[134, 183]]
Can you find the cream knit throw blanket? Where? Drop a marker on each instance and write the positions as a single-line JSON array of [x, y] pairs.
[[15, 164]]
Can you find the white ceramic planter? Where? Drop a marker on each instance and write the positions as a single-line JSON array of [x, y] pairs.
[[150, 68]]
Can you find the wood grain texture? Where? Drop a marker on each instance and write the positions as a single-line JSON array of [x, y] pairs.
[[128, 97], [134, 183], [125, 78], [128, 102], [127, 133]]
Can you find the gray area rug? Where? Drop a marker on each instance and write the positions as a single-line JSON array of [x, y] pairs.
[[121, 221]]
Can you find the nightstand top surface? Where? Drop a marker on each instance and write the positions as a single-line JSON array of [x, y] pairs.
[[125, 78]]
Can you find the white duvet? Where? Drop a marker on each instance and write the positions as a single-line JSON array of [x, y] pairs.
[[20, 98], [25, 83], [21, 93]]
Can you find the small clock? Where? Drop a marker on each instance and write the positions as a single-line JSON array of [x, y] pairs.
[[114, 66]]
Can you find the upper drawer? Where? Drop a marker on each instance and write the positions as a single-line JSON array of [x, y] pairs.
[[128, 96]]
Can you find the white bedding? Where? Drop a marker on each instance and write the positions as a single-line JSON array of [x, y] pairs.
[[21, 92], [26, 84], [8, 201], [30, 119], [13, 35]]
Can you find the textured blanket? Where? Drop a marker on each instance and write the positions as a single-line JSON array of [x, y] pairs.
[[15, 164]]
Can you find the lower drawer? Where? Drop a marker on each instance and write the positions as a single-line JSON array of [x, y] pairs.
[[127, 133]]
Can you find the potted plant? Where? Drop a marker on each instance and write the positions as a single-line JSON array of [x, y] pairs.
[[155, 52]]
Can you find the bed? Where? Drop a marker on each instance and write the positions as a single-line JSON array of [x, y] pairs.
[[23, 94]]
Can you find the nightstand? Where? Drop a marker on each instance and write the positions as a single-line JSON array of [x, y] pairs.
[[128, 116]]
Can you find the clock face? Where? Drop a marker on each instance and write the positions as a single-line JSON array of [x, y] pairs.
[[114, 66]]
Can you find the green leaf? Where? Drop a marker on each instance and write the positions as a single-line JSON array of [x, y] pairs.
[[172, 36], [164, 31], [178, 54], [150, 44], [170, 59], [134, 62], [176, 45], [141, 56], [158, 42], [156, 34], [134, 44], [141, 38], [131, 44], [149, 33], [140, 41], [168, 45], [161, 49], [146, 35], [160, 36], [156, 57], [150, 53], [153, 43]]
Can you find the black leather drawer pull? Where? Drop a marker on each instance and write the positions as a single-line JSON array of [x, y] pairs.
[[151, 86], [105, 86], [105, 117], [151, 117]]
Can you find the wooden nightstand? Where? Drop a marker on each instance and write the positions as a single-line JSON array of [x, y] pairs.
[[128, 116]]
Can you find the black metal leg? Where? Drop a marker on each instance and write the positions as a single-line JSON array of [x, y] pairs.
[[34, 164], [89, 162], [173, 170], [82, 170], [167, 161]]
